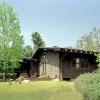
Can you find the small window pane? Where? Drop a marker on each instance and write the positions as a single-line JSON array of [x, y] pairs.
[[77, 60], [84, 63], [76, 63]]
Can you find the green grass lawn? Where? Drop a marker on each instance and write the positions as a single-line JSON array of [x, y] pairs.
[[40, 90]]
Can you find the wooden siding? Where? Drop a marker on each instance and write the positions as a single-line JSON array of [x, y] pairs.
[[69, 72], [34, 71], [51, 67]]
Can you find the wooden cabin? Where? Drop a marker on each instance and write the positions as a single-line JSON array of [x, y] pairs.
[[62, 63]]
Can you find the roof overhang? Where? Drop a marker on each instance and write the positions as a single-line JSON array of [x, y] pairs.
[[58, 49]]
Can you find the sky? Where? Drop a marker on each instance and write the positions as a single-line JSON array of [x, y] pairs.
[[60, 22]]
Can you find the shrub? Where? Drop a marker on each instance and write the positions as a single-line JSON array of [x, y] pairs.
[[8, 76], [11, 75], [89, 85]]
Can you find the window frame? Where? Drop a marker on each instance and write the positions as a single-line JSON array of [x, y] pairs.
[[77, 64]]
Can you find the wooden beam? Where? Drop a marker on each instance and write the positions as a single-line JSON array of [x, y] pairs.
[[45, 49], [65, 49], [85, 51], [71, 50], [81, 51], [75, 50]]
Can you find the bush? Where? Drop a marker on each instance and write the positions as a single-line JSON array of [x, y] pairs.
[[11, 75], [8, 76], [89, 85]]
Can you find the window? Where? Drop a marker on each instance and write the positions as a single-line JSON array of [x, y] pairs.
[[79, 63], [76, 63], [84, 63]]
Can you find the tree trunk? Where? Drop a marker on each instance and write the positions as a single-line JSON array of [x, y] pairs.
[[4, 73], [4, 76]]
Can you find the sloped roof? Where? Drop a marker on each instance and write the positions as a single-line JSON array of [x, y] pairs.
[[59, 49]]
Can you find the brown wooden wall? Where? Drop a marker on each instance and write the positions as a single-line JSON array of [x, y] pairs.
[[69, 72], [34, 71], [49, 66]]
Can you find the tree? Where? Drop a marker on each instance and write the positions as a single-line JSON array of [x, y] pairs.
[[37, 40], [11, 42], [90, 41], [80, 43], [28, 51]]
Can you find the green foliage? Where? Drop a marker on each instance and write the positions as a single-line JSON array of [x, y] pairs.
[[90, 41], [11, 76], [10, 39], [8, 75], [98, 61], [37, 40], [89, 86], [28, 51]]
